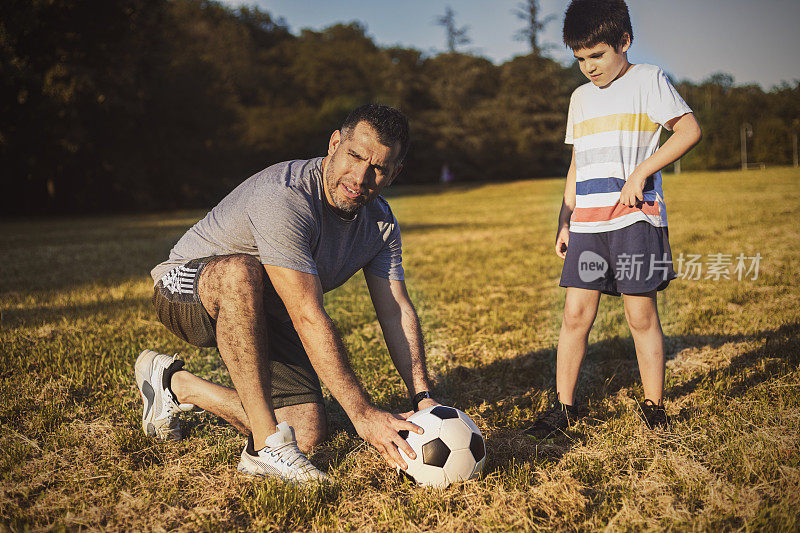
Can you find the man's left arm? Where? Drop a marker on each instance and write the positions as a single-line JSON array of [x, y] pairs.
[[402, 333]]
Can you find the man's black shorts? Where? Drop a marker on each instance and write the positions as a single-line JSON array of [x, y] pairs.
[[177, 304]]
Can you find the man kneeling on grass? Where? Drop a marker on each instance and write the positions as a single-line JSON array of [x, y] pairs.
[[249, 279]]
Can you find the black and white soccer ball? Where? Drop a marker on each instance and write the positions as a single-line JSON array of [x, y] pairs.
[[450, 449]]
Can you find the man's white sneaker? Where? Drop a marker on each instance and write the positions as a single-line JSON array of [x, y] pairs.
[[280, 457], [159, 416]]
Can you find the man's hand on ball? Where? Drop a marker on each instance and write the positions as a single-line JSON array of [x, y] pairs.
[[424, 404], [381, 429]]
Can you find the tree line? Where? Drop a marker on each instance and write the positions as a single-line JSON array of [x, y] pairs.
[[160, 104]]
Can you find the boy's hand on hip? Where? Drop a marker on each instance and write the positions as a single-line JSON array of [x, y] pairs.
[[632, 193], [562, 241]]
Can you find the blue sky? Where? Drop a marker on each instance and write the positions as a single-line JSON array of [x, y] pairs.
[[755, 41]]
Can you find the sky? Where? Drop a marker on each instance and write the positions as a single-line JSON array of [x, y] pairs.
[[755, 41]]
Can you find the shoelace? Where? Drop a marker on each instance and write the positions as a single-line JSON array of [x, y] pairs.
[[290, 454], [167, 406], [170, 404]]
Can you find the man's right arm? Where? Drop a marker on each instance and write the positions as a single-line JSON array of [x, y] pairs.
[[302, 295], [567, 207]]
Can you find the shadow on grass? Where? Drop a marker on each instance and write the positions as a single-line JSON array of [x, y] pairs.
[[610, 366], [507, 391], [11, 318], [57, 255]]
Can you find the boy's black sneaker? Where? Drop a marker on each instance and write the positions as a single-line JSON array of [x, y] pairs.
[[653, 414], [553, 422]]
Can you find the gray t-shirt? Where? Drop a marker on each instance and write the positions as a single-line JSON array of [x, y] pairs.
[[281, 216]]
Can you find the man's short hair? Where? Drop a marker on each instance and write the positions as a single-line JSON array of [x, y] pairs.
[[588, 23], [390, 124]]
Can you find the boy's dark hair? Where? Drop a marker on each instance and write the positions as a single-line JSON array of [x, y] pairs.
[[390, 124], [588, 23]]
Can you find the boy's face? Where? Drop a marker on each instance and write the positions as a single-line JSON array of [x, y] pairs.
[[603, 63]]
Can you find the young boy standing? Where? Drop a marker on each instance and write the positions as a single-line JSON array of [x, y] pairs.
[[612, 228]]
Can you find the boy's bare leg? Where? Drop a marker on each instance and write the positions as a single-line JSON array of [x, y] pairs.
[[308, 419], [641, 311], [580, 310]]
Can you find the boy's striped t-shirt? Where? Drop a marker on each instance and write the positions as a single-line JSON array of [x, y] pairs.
[[613, 130]]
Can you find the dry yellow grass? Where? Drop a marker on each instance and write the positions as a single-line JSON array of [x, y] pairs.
[[75, 302]]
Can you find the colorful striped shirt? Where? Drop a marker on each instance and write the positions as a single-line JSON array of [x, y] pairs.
[[613, 129]]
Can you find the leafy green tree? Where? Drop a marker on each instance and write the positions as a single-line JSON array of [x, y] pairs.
[[457, 127], [532, 101]]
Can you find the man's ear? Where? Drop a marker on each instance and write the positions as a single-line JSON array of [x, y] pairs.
[[333, 144], [396, 173]]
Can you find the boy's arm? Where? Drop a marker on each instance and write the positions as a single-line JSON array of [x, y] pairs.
[[686, 134], [567, 207]]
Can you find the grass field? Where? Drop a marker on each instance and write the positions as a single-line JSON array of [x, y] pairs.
[[75, 299]]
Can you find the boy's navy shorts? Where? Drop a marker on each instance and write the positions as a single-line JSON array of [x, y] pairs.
[[632, 260]]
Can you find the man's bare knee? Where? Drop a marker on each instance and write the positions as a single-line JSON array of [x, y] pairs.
[[309, 440], [309, 421], [241, 269], [230, 278]]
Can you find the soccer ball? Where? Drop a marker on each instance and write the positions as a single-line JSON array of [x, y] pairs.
[[450, 449]]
